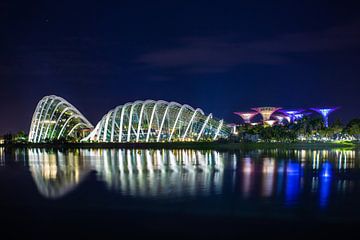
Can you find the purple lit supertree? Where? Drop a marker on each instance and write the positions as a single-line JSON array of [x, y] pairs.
[[298, 116], [301, 115], [246, 116], [292, 113], [325, 113]]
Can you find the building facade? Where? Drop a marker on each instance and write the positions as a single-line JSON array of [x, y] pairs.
[[55, 119], [157, 121], [140, 121]]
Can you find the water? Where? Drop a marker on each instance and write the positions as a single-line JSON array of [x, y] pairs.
[[168, 193]]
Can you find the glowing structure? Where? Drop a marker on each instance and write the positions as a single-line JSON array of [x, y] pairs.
[[293, 114], [140, 121], [270, 122], [233, 127], [280, 118], [246, 116], [266, 112], [325, 113], [157, 121], [299, 116], [54, 118]]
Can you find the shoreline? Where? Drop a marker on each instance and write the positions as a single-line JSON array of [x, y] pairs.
[[188, 145]]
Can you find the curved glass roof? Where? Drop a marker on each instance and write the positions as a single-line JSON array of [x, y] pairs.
[[157, 121], [55, 118], [140, 121]]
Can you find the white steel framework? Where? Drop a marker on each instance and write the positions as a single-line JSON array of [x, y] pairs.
[[55, 118], [140, 121], [157, 121]]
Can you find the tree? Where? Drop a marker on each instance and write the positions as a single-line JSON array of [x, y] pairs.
[[8, 138], [353, 128], [20, 137]]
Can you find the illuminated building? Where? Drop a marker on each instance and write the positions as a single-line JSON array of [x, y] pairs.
[[157, 121], [293, 114], [325, 113], [246, 116], [140, 121], [55, 118], [266, 112]]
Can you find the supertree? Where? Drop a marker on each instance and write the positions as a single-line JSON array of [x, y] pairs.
[[266, 112], [325, 112], [246, 116], [280, 118], [292, 113]]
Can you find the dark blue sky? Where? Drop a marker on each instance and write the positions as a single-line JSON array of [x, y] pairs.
[[222, 56]]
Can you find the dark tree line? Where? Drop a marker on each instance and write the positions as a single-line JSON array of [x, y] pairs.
[[305, 129]]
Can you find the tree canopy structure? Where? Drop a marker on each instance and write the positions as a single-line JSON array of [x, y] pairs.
[[266, 112], [246, 116], [325, 112]]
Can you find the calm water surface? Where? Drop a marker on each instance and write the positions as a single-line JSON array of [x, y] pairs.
[[160, 192]]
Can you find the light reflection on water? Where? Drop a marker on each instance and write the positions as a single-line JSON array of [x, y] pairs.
[[142, 173], [260, 174], [2, 157]]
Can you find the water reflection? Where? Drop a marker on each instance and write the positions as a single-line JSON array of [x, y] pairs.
[[293, 178], [142, 173], [55, 173], [2, 157], [159, 173], [260, 174]]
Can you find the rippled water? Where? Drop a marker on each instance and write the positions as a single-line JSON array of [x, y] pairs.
[[259, 185]]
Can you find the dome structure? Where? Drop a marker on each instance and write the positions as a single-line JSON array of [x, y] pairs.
[[157, 121], [55, 118]]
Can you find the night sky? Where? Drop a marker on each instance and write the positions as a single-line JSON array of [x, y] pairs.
[[221, 56]]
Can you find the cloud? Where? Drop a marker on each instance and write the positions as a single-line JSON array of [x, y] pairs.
[[219, 54]]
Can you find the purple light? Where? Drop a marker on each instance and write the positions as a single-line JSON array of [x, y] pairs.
[[281, 118], [292, 113], [298, 116], [325, 113]]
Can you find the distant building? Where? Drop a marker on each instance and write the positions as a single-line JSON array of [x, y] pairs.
[[325, 112]]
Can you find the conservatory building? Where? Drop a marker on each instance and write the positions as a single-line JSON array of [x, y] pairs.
[[157, 121], [139, 121], [55, 118]]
